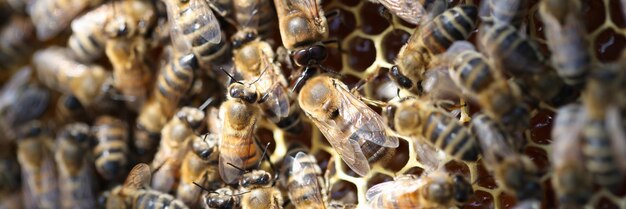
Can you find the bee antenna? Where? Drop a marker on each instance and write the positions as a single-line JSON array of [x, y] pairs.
[[230, 76], [261, 75], [238, 168], [263, 155], [203, 188], [206, 103], [241, 193]]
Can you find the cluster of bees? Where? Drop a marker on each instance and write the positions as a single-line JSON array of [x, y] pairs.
[[156, 104]]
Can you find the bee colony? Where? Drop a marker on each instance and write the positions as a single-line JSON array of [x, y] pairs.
[[305, 104]]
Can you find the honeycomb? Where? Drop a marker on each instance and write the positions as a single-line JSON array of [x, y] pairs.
[[369, 43]]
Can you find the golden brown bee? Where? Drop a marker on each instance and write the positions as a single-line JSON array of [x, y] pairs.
[[436, 189], [111, 152], [305, 185], [239, 115], [499, 99], [571, 182], [354, 130], [257, 13], [258, 191], [173, 82], [196, 33], [135, 194], [51, 17], [253, 59], [414, 12], [434, 38], [176, 136], [150, 121], [601, 159], [426, 123], [39, 176], [303, 29], [222, 198], [514, 172], [56, 69], [88, 31], [76, 180], [17, 40], [567, 39], [199, 166]]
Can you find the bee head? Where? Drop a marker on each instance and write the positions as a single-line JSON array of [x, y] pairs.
[[256, 178], [241, 91], [311, 55]]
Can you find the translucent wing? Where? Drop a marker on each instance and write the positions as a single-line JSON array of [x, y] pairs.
[[428, 155], [30, 105], [370, 125], [348, 149], [229, 173], [246, 12], [566, 133], [306, 181], [53, 16], [139, 177], [40, 184], [82, 196], [231, 151], [401, 185], [277, 102], [412, 11], [191, 18], [492, 139], [9, 91]]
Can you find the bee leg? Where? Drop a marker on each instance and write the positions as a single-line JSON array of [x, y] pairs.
[[305, 75], [465, 118]]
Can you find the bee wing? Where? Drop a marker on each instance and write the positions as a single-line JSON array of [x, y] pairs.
[[313, 182], [566, 133], [348, 149], [492, 139], [203, 19], [311, 8], [229, 173], [412, 11], [83, 196], [250, 8], [370, 125], [41, 186], [139, 177], [30, 105], [277, 101], [9, 91], [428, 155], [53, 16], [402, 185]]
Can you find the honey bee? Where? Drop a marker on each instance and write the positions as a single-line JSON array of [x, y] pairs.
[[196, 33], [135, 193], [57, 70], [53, 16], [303, 30], [566, 38], [199, 165], [414, 56], [173, 82], [572, 183], [39, 176], [598, 146], [176, 136], [17, 39], [414, 11], [253, 59], [111, 152], [75, 174], [354, 130], [254, 12], [514, 172], [222, 198], [150, 121], [499, 99], [89, 37], [239, 115], [435, 189], [413, 118], [305, 185], [258, 191]]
